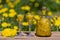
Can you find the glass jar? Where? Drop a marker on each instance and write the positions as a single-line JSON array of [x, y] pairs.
[[43, 27]]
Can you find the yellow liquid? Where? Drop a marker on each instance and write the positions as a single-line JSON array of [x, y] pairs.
[[43, 28], [20, 18]]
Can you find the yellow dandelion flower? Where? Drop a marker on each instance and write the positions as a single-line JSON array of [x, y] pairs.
[[23, 8], [9, 24], [15, 27], [37, 17], [49, 13], [4, 9], [4, 24], [13, 32], [27, 8], [34, 22], [1, 11], [5, 15], [25, 23], [57, 22], [20, 17], [9, 32], [36, 5], [12, 14], [11, 5], [29, 16], [1, 5], [32, 0], [11, 10], [6, 32], [58, 1]]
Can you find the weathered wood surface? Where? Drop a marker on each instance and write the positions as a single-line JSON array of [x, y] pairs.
[[54, 36]]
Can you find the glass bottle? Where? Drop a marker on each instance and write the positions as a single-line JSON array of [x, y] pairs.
[[43, 27]]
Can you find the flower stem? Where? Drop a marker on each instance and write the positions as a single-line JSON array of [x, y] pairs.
[[57, 29]]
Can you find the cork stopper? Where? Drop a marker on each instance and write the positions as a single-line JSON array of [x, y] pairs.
[[44, 8]]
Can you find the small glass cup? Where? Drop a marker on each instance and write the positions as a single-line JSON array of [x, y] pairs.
[[30, 20], [20, 20]]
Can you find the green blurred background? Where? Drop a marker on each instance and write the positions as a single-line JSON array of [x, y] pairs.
[[36, 7]]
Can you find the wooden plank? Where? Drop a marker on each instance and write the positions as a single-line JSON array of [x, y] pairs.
[[54, 36]]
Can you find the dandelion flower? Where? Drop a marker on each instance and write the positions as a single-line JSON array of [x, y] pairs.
[[5, 15], [4, 24]]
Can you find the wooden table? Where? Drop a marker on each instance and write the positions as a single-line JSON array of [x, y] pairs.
[[54, 36]]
